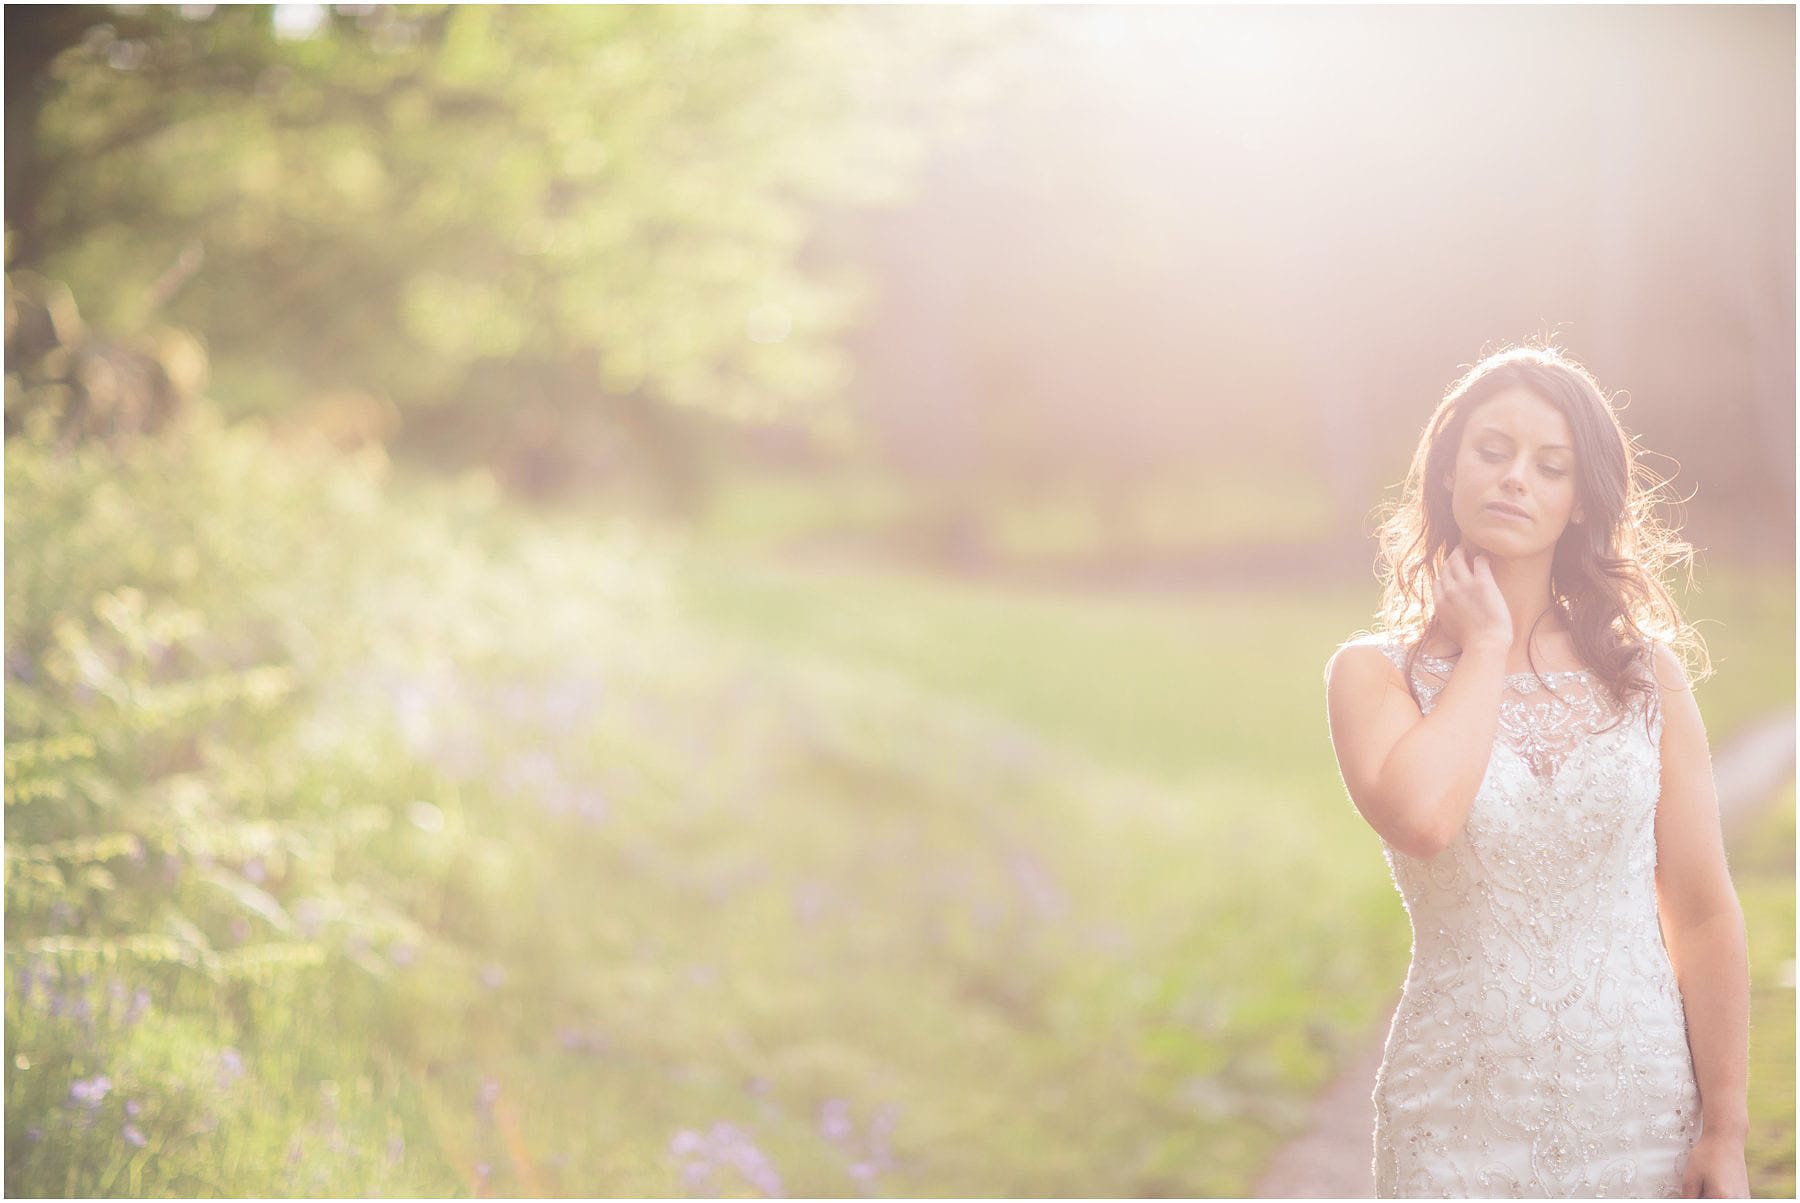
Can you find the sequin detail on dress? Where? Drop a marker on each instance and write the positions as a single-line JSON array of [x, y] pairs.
[[1540, 1046]]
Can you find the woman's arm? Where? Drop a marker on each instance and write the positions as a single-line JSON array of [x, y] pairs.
[[1704, 927], [1413, 777]]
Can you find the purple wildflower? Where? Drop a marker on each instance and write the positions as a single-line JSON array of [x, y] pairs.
[[34, 1134], [26, 978], [231, 1066], [482, 1170], [254, 871], [733, 1146], [89, 1091], [835, 1121], [133, 1136], [140, 1003], [132, 1107]]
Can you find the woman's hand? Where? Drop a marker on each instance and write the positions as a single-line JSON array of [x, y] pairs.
[[1716, 1169], [1469, 607]]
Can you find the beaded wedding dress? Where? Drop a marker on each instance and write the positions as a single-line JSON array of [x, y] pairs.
[[1540, 1045]]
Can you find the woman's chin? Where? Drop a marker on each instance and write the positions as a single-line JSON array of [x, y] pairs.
[[1498, 546]]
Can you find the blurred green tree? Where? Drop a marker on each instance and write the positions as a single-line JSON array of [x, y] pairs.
[[541, 231]]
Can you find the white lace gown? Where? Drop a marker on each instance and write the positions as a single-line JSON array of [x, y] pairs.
[[1540, 1046]]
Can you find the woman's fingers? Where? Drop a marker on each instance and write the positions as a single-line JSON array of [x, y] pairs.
[[1455, 567]]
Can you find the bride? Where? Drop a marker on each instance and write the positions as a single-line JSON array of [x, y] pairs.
[[1522, 736]]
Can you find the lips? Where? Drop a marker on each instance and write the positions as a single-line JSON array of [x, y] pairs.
[[1507, 510]]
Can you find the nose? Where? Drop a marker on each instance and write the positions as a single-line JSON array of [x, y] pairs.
[[1514, 480]]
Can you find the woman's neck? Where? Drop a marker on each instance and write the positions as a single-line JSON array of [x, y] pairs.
[[1525, 584]]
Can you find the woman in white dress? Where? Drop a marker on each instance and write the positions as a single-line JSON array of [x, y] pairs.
[[1522, 735]]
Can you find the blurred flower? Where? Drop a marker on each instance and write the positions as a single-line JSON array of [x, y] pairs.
[[575, 1040], [240, 929], [254, 871], [231, 1066], [482, 1170], [140, 1003], [89, 1091], [132, 1107], [864, 1171], [686, 1143], [835, 1121], [402, 954], [132, 1136], [493, 976], [729, 1144], [396, 1149], [34, 1134], [488, 1094]]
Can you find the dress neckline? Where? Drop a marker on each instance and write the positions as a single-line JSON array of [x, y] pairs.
[[1446, 664]]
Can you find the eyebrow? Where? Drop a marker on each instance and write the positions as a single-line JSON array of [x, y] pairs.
[[1501, 434]]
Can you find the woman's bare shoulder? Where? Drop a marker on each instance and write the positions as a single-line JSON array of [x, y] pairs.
[[1361, 663], [1667, 667]]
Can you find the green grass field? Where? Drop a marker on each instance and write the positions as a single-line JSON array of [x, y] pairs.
[[1220, 697], [369, 839]]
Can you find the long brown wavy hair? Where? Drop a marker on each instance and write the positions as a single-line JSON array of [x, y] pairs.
[[1607, 573]]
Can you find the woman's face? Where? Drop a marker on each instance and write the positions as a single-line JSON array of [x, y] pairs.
[[1512, 491]]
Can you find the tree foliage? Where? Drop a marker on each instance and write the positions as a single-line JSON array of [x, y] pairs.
[[513, 215]]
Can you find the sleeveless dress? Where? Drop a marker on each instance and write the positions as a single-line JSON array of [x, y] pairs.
[[1540, 1045]]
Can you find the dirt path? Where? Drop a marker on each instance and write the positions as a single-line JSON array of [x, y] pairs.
[[1331, 1159]]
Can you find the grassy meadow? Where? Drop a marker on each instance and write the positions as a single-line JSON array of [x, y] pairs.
[[377, 837]]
